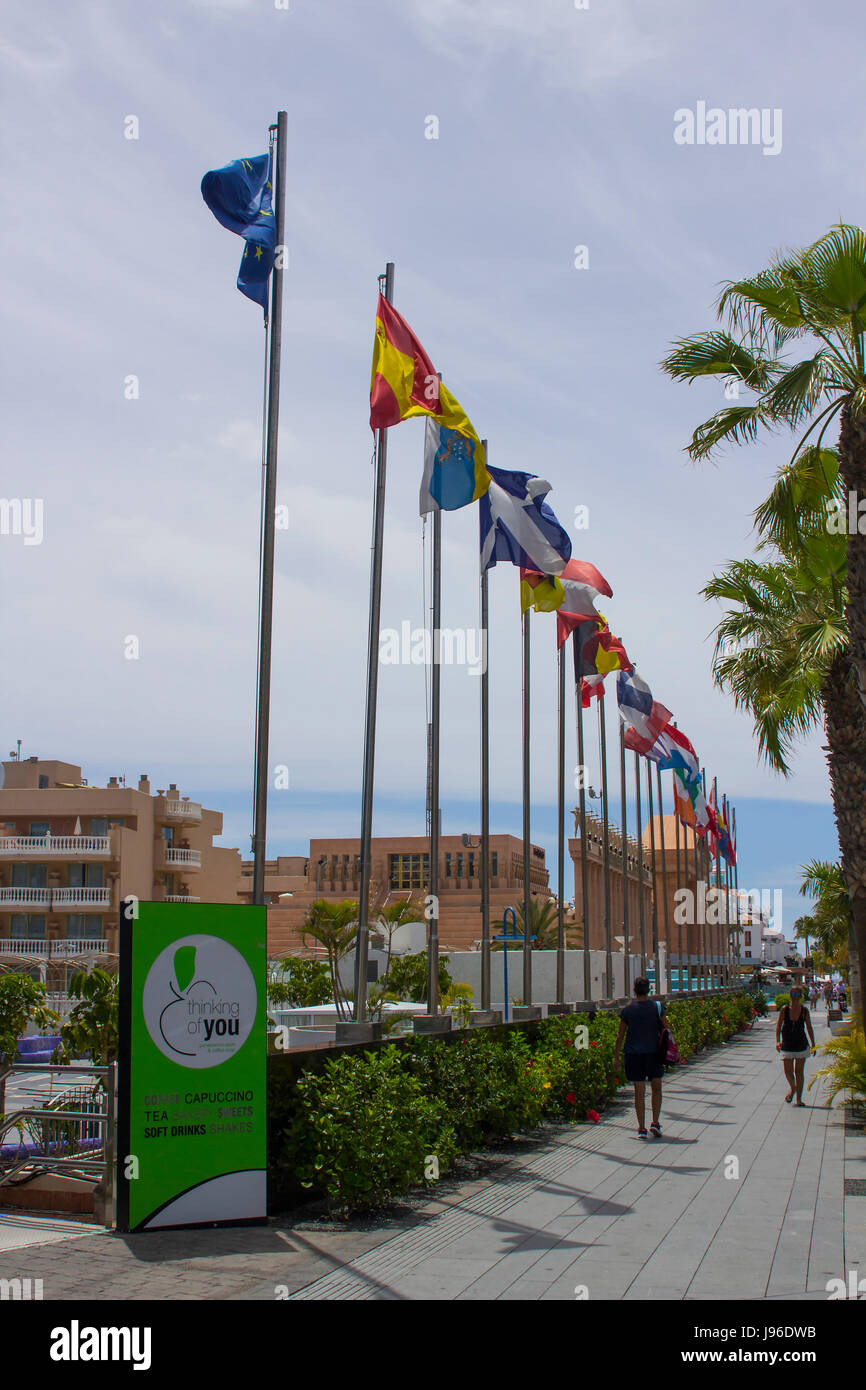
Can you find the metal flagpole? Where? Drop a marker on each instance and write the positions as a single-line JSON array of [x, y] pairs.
[[560, 883], [625, 924], [485, 790], [527, 887], [705, 869], [664, 856], [362, 946], [584, 883], [641, 915], [433, 876], [679, 877], [608, 953], [727, 938], [737, 897], [713, 945], [655, 917], [689, 913], [269, 506]]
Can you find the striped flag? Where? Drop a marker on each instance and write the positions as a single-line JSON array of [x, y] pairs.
[[644, 718]]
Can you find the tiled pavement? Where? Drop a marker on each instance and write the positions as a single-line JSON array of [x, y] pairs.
[[592, 1209]]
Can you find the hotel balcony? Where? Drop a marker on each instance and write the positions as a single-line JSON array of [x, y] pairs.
[[31, 899], [60, 949], [181, 898], [71, 899], [179, 812], [173, 858], [75, 847]]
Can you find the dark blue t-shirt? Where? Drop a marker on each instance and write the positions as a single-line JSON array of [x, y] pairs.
[[642, 1019]]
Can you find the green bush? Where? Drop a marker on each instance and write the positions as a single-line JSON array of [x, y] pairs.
[[407, 977], [301, 984], [364, 1130], [486, 1083]]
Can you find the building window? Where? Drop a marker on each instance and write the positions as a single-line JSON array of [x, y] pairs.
[[24, 927], [29, 875], [748, 936], [43, 781], [409, 870], [460, 865], [85, 876], [494, 864], [98, 825], [40, 828], [448, 866], [471, 865]]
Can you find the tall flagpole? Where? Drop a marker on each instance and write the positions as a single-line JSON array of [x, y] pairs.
[[269, 504], [679, 877], [705, 868], [737, 896], [584, 881], [362, 946], [485, 788], [641, 911], [664, 850], [655, 917], [527, 887], [726, 954], [625, 924], [560, 878], [608, 953], [718, 873], [433, 876]]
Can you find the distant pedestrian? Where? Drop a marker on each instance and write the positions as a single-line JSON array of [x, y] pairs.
[[813, 994], [792, 1043], [843, 996], [828, 993], [640, 1027]]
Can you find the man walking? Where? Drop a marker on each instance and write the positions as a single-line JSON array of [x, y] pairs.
[[640, 1025]]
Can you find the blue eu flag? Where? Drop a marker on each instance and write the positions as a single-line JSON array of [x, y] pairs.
[[240, 196]]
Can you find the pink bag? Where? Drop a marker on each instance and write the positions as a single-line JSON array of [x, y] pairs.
[[668, 1050]]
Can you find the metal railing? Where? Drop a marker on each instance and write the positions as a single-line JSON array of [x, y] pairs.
[[50, 948], [64, 846], [73, 1116]]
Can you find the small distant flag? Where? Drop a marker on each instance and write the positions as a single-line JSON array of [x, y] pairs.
[[519, 527], [543, 592], [644, 718], [240, 195], [683, 805], [454, 469]]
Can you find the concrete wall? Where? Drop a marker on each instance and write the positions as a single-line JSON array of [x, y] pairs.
[[465, 966]]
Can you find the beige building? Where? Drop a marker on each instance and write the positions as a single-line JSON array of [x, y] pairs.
[[70, 853]]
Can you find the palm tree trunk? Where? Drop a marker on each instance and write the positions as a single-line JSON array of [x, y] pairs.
[[846, 755]]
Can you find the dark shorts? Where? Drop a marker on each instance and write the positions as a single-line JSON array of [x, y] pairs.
[[643, 1066]]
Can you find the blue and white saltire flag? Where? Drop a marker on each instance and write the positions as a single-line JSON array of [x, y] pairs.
[[240, 196], [518, 526], [644, 718]]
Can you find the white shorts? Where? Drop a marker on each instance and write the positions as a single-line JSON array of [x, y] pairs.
[[796, 1054]]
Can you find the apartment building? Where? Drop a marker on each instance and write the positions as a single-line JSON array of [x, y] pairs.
[[70, 853]]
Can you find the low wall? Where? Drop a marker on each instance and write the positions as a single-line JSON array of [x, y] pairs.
[[465, 966]]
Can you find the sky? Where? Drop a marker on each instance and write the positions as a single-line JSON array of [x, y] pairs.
[[555, 129]]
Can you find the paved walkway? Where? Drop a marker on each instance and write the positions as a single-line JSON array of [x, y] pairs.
[[584, 1211]]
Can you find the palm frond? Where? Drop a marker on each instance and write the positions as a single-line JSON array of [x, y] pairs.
[[718, 354], [738, 424]]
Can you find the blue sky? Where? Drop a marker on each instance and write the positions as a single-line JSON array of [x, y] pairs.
[[555, 129]]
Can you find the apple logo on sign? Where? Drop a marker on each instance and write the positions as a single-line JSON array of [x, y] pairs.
[[199, 1001]]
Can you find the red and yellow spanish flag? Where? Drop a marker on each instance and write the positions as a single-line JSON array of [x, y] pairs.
[[404, 382]]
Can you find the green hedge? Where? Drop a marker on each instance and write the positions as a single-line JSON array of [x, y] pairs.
[[361, 1127]]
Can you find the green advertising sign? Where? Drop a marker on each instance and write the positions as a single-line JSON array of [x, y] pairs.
[[192, 1121]]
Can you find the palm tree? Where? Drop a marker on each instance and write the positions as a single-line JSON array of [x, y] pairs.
[[544, 925], [334, 926], [830, 923], [394, 915], [819, 295]]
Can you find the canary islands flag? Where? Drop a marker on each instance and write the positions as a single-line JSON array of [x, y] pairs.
[[240, 196], [454, 471]]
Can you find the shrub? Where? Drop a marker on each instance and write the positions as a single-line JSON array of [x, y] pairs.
[[847, 1071], [782, 1000], [484, 1080], [407, 977], [364, 1130], [301, 984]]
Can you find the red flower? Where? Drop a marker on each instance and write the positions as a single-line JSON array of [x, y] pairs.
[[568, 1043], [593, 1044], [571, 1098], [593, 1115]]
